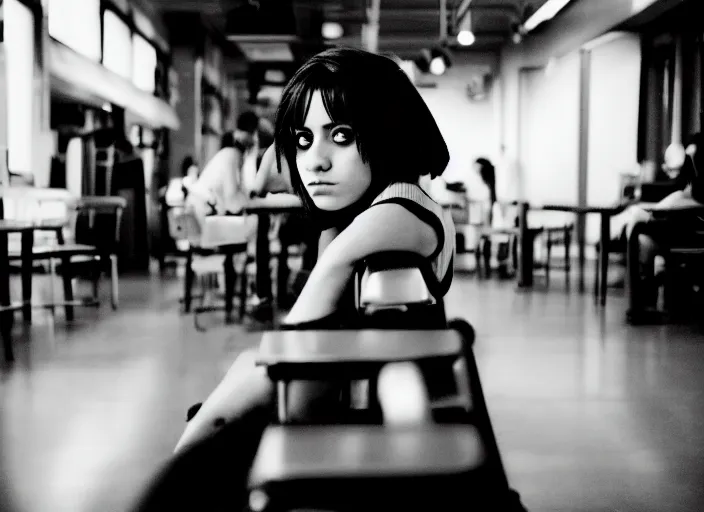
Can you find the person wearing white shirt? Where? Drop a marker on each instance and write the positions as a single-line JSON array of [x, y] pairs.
[[219, 189]]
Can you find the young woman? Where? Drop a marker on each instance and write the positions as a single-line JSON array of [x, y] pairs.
[[355, 147]]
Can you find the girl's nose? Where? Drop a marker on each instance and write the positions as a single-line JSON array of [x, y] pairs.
[[317, 158]]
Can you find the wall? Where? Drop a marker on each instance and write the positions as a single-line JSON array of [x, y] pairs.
[[469, 128], [614, 124], [613, 120], [578, 24]]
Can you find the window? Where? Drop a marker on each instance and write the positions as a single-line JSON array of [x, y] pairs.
[[76, 23], [117, 45], [143, 63], [19, 41]]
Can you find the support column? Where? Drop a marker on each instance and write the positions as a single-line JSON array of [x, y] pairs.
[[584, 82], [4, 174]]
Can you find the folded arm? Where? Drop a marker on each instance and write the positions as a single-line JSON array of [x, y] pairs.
[[384, 227]]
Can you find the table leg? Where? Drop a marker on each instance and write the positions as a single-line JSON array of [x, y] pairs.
[[6, 318], [604, 254], [525, 265], [26, 254], [580, 250], [263, 257], [188, 282], [229, 269]]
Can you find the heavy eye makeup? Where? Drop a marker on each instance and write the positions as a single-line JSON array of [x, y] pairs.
[[342, 135]]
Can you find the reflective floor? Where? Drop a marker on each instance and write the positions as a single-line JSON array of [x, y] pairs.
[[591, 415]]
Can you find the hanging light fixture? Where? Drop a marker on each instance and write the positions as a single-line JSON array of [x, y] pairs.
[[465, 36]]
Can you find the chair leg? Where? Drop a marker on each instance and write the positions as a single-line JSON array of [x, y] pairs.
[[188, 282], [548, 262], [568, 257], [97, 274], [478, 257], [68, 287], [244, 281], [597, 273], [52, 287], [114, 288]]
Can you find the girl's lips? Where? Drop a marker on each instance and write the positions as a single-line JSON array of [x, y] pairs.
[[321, 189]]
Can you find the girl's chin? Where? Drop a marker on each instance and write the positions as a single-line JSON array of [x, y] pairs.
[[329, 204]]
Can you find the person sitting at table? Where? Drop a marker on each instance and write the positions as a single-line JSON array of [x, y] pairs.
[[218, 189], [692, 195], [355, 148]]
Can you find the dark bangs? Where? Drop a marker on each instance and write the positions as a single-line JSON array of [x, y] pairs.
[[295, 104]]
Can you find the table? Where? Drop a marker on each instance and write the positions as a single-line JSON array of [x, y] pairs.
[[263, 207], [26, 229], [606, 212]]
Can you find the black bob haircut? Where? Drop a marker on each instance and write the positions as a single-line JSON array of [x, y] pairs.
[[394, 130], [248, 122]]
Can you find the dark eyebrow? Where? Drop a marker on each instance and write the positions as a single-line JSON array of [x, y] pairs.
[[328, 126]]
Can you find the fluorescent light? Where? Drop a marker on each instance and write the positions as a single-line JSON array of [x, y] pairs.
[[546, 12]]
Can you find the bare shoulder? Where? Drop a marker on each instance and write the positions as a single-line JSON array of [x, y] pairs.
[[385, 227]]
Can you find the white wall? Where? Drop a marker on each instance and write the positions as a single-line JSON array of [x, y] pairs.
[[614, 98], [613, 120], [469, 128]]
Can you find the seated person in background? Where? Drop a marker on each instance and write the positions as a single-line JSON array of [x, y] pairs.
[[355, 148], [218, 189], [493, 217], [692, 195], [674, 178]]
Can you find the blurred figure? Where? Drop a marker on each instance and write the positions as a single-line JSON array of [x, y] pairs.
[[218, 189], [176, 191], [643, 282], [493, 217]]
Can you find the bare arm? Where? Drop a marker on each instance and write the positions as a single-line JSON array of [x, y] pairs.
[[385, 227], [266, 179]]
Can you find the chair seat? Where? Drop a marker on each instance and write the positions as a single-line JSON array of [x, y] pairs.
[[375, 468], [58, 251], [365, 451]]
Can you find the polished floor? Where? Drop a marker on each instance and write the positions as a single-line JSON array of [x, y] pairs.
[[591, 415]]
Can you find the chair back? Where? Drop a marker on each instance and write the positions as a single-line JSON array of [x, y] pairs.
[[391, 291], [98, 221]]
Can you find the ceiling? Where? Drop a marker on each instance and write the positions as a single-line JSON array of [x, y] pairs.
[[283, 33]]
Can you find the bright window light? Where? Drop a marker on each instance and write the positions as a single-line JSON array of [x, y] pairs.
[[546, 12], [143, 63], [76, 23], [19, 42], [117, 45]]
